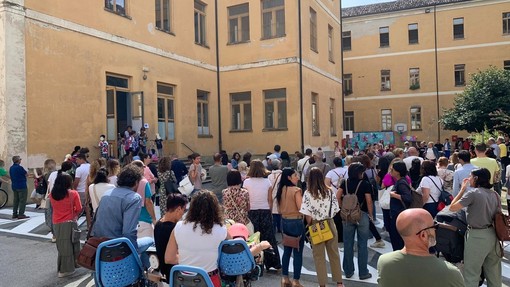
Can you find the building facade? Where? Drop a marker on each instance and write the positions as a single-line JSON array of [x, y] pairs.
[[405, 61], [238, 75]]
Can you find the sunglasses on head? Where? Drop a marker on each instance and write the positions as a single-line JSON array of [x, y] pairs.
[[435, 227]]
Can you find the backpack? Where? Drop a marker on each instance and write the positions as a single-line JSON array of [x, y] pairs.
[[450, 235], [341, 178], [350, 211], [375, 186], [445, 198]]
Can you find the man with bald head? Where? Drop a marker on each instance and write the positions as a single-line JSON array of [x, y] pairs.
[[413, 153], [414, 265]]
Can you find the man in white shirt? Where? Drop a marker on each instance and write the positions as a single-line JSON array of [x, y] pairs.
[[302, 165], [413, 153], [335, 174], [80, 178]]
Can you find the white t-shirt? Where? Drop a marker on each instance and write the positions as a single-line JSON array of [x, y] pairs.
[[258, 188], [197, 248], [51, 180], [275, 175], [82, 172], [98, 192], [428, 182], [409, 160], [334, 174], [302, 165], [113, 180]]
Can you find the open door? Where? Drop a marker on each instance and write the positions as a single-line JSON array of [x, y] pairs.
[[135, 112]]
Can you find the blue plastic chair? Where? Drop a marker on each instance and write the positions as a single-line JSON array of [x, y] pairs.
[[117, 263], [189, 276], [235, 258]]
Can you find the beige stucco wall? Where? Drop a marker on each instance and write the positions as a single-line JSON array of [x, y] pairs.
[[482, 46]]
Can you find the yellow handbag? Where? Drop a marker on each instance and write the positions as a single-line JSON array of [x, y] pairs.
[[320, 231]]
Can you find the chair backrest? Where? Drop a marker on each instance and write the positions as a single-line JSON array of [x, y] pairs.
[[117, 263], [189, 276], [235, 257]]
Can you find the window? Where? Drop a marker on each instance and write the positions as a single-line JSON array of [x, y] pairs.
[[241, 111], [415, 118], [273, 18], [413, 33], [384, 37], [331, 54], [460, 76], [200, 23], [116, 6], [275, 109], [315, 115], [239, 23], [313, 30], [506, 23], [346, 41], [506, 65], [203, 112], [414, 78], [385, 80], [349, 121], [458, 28], [386, 120], [332, 117], [166, 114], [347, 84], [163, 15]]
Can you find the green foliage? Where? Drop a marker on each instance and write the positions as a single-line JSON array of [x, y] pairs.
[[487, 91], [502, 121]]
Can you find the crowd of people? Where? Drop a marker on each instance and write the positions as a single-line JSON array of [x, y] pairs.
[[280, 194]]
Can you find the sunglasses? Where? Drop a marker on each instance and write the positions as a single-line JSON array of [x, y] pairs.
[[435, 227]]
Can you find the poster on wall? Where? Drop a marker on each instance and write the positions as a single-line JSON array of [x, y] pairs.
[[363, 139]]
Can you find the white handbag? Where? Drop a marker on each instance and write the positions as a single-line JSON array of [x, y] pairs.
[[185, 186], [384, 197]]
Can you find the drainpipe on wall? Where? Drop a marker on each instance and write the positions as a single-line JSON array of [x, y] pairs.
[[437, 77], [342, 71], [301, 78], [220, 147]]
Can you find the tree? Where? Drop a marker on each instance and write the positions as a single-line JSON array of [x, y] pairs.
[[488, 91]]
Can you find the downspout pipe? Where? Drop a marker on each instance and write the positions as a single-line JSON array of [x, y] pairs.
[[342, 70], [437, 77], [301, 108], [220, 143]]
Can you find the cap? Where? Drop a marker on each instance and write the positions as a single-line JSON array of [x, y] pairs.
[[239, 230]]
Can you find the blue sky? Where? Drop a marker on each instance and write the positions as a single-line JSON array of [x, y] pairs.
[[350, 3]]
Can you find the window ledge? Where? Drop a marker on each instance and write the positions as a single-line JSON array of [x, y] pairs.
[[316, 135], [116, 13], [457, 85], [241, 131], [237, 43], [331, 61], [165, 31], [414, 43], [273, 37], [332, 135], [416, 130], [315, 50], [456, 39], [202, 45], [384, 47], [386, 90], [274, 129], [205, 136]]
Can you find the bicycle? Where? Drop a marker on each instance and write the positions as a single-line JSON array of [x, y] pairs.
[[3, 198]]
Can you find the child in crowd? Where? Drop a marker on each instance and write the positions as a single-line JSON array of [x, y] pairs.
[[103, 146]]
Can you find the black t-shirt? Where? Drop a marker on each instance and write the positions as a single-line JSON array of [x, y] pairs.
[[162, 232], [364, 188]]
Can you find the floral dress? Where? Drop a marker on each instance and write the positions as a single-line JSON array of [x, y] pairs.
[[163, 177], [236, 202]]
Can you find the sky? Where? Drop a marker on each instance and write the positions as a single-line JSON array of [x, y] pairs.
[[350, 3]]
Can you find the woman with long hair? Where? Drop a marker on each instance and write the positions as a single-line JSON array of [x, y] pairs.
[[66, 208], [195, 240], [285, 158], [430, 186], [261, 201], [165, 173], [481, 244], [236, 200], [236, 158], [371, 176], [289, 198], [320, 203], [99, 187], [113, 168]]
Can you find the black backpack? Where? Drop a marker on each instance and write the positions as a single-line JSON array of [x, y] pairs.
[[450, 235], [375, 187]]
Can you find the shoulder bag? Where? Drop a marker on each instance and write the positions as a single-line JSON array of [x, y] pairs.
[[501, 225], [288, 240], [75, 231], [320, 231], [87, 256], [445, 198]]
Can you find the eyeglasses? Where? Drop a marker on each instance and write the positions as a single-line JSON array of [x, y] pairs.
[[435, 227]]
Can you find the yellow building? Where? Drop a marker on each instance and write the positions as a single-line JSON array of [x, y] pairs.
[[238, 75], [405, 61]]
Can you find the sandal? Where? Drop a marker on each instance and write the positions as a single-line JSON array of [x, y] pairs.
[[341, 284]]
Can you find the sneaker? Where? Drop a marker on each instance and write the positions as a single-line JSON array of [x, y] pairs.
[[378, 244], [65, 274], [364, 277], [53, 239], [349, 276], [14, 217], [23, 217]]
